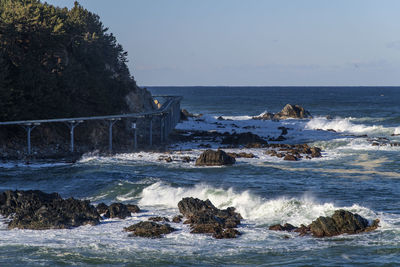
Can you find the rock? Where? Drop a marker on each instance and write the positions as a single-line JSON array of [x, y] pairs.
[[315, 152], [177, 219], [243, 139], [37, 210], [186, 159], [149, 229], [264, 116], [286, 227], [290, 157], [204, 217], [101, 208], [186, 114], [158, 219], [284, 130], [292, 111], [293, 152], [117, 210], [189, 206], [242, 155], [342, 222], [214, 158], [278, 139], [133, 208]]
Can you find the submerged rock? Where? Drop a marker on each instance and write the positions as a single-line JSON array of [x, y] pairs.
[[341, 222], [214, 158], [149, 229], [37, 210], [204, 217]]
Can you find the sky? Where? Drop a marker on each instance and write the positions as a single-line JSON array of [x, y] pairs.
[[255, 42]]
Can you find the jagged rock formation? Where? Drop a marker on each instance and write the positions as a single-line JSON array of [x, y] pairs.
[[288, 112], [204, 217], [38, 210], [214, 158], [341, 222], [149, 229]]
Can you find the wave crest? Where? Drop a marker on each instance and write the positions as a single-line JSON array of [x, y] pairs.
[[250, 206]]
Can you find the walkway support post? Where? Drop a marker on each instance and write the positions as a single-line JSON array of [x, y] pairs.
[[133, 126], [150, 118], [162, 130], [111, 123], [28, 128], [71, 125]]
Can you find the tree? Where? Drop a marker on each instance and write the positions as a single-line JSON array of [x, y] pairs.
[[56, 62]]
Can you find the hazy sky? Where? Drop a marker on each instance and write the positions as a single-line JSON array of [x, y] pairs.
[[256, 42]]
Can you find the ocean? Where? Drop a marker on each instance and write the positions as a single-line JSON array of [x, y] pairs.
[[357, 129]]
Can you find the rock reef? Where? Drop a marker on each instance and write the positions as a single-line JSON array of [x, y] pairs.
[[204, 217], [214, 158], [288, 112], [341, 222]]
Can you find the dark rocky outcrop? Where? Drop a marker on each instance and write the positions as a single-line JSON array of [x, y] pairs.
[[158, 219], [241, 155], [292, 112], [245, 139], [186, 114], [37, 210], [341, 222], [204, 217], [286, 227], [119, 210], [293, 152], [177, 219], [102, 208], [149, 229], [214, 158], [264, 116], [288, 112]]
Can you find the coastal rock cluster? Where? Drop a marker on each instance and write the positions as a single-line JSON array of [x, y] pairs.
[[38, 210], [204, 217], [34, 209], [288, 112], [341, 222]]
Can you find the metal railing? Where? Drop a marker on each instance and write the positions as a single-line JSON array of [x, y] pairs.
[[169, 114]]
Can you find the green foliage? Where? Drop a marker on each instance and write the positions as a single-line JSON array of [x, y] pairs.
[[56, 62]]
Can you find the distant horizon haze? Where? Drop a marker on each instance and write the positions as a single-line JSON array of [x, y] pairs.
[[255, 43]]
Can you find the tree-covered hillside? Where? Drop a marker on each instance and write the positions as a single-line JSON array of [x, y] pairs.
[[56, 62]]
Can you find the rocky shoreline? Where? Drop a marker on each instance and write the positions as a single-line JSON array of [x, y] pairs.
[[37, 210]]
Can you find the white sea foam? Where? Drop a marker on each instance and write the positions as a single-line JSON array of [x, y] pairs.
[[251, 207], [342, 125], [397, 130]]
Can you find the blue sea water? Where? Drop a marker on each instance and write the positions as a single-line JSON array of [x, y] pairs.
[[352, 174]]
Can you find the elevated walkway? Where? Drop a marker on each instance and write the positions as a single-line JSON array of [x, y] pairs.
[[168, 114]]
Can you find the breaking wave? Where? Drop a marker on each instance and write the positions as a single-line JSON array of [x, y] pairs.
[[251, 207], [343, 125]]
